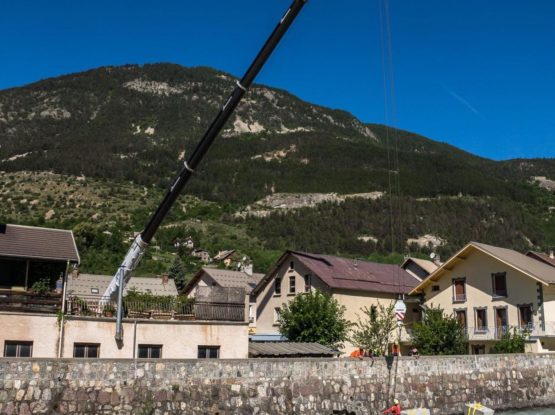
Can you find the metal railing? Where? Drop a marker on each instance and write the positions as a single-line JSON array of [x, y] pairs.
[[173, 308]]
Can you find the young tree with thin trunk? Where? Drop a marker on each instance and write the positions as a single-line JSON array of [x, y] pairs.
[[375, 329]]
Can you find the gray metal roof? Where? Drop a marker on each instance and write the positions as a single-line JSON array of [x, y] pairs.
[[86, 285], [31, 242], [227, 279], [528, 265], [290, 349], [540, 256]]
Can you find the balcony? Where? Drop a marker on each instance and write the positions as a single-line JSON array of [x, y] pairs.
[[27, 302], [171, 308]]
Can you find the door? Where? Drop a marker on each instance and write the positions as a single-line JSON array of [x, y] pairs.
[[500, 322]]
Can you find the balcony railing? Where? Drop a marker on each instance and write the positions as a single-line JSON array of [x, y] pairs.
[[24, 301], [172, 309]]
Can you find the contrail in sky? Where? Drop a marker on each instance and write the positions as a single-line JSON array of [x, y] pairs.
[[463, 101]]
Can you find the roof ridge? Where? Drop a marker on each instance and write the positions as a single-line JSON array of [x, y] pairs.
[[38, 227]]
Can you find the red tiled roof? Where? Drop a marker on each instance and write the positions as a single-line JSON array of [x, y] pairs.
[[358, 275], [38, 243], [349, 274]]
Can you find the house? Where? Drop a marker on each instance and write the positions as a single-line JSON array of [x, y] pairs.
[[548, 259], [186, 243], [354, 283], [491, 290], [203, 254], [214, 282], [226, 257], [46, 324], [419, 268], [29, 254]]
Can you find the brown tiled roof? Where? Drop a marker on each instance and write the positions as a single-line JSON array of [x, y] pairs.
[[32, 242], [95, 285], [350, 274], [227, 279], [540, 256]]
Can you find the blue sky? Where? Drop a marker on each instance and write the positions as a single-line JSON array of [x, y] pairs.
[[477, 74]]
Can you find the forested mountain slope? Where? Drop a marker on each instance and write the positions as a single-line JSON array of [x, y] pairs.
[[130, 127]]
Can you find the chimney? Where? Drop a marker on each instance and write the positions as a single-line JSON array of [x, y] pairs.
[[551, 255], [437, 260], [75, 273], [3, 227], [247, 269], [165, 278]]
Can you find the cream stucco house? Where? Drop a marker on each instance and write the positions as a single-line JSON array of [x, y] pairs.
[[33, 326], [491, 290], [354, 283]]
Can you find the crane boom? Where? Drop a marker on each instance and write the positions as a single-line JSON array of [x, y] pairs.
[[139, 245]]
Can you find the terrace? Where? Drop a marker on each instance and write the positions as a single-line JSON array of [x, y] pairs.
[[170, 308]]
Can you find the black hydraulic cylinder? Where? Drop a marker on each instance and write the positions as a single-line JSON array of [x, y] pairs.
[[241, 87]]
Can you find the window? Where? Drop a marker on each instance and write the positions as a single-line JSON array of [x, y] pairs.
[[501, 322], [209, 352], [307, 283], [277, 286], [277, 312], [292, 284], [481, 320], [18, 349], [95, 291], [459, 290], [499, 282], [525, 316], [435, 287], [86, 350], [150, 351], [291, 266], [461, 318]]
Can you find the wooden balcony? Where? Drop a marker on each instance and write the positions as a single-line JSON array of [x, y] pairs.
[[27, 302]]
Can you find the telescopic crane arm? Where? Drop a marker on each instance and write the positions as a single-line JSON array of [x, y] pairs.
[[139, 245]]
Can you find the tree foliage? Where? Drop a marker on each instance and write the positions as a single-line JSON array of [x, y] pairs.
[[373, 331], [439, 334], [314, 317], [512, 341], [178, 273]]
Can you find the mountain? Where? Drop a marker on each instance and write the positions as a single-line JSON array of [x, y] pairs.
[[123, 131]]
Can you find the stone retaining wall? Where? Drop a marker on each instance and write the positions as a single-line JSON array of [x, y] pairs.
[[272, 386]]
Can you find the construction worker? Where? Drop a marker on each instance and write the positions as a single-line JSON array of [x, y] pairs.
[[394, 409], [358, 353]]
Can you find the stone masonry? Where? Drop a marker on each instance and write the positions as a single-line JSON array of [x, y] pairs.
[[273, 386]]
